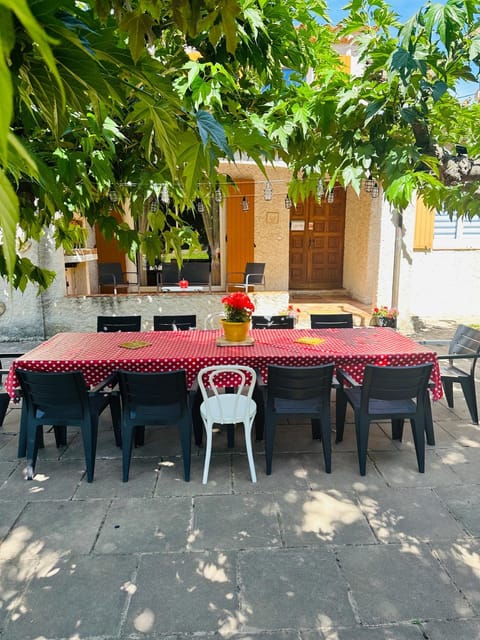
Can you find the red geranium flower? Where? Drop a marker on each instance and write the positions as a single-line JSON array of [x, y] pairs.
[[238, 307]]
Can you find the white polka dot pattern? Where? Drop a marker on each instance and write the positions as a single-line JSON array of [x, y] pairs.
[[98, 355]]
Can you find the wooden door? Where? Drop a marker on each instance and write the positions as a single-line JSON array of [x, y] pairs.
[[239, 237], [316, 243]]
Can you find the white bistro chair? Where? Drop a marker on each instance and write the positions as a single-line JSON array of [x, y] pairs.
[[222, 407], [212, 321]]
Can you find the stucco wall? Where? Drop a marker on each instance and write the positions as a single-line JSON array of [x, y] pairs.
[[271, 233]]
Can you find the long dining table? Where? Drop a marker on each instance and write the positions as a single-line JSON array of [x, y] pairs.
[[98, 355]]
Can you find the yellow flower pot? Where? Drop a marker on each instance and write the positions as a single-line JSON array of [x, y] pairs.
[[235, 331]]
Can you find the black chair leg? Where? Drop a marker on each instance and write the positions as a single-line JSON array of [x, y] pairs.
[[468, 388], [316, 429], [340, 414], [270, 427], [4, 402], [60, 435], [186, 440], [197, 421], [397, 429], [258, 397], [448, 390], [362, 430], [326, 441], [429, 432], [419, 441], [127, 438]]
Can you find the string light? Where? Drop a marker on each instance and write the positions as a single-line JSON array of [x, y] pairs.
[[320, 189], [113, 195], [375, 190], [268, 192], [154, 204], [288, 202], [245, 205], [200, 206], [369, 184], [218, 195], [330, 196], [164, 195]]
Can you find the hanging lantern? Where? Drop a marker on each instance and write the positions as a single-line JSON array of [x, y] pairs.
[[320, 189], [218, 195], [368, 184], [268, 191], [154, 204], [113, 195], [330, 196], [200, 206], [245, 205], [164, 195], [288, 202], [375, 190]]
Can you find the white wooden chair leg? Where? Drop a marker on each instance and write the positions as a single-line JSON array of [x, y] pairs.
[[208, 452], [248, 443]]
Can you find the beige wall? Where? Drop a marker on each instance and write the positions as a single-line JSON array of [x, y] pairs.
[[271, 221]]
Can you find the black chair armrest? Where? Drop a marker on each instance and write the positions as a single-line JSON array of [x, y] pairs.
[[457, 356], [110, 381], [345, 379], [432, 342]]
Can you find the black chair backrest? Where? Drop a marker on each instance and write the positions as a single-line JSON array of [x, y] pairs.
[[110, 273], [170, 273], [174, 322], [119, 323], [55, 396], [196, 273], [272, 322], [298, 383], [255, 272], [331, 321], [142, 391], [466, 342], [394, 383]]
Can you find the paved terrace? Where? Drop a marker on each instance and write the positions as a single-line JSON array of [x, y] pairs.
[[300, 555]]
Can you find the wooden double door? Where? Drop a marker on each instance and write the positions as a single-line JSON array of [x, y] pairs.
[[317, 232]]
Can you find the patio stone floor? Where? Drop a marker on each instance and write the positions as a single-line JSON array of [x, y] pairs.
[[300, 555]]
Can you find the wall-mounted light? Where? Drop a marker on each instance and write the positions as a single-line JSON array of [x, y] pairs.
[[245, 205], [288, 202], [268, 191], [375, 190]]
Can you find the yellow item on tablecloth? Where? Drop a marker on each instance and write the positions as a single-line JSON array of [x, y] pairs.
[[135, 344], [309, 340]]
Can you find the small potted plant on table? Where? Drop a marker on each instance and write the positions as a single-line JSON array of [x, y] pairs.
[[238, 310]]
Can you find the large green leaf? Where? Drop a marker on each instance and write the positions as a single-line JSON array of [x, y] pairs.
[[211, 129], [9, 216]]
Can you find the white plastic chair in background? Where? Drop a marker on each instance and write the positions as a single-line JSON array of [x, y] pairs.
[[219, 407]]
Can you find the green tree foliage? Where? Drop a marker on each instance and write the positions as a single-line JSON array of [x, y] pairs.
[[105, 95]]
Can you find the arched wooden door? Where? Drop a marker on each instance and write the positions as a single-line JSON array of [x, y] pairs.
[[316, 243]]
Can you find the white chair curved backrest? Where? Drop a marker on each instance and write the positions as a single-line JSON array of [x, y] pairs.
[[212, 321], [234, 406]]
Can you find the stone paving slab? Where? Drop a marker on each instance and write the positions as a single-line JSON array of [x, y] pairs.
[[390, 583], [397, 632]]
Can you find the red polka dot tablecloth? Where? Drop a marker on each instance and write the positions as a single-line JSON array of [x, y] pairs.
[[98, 355]]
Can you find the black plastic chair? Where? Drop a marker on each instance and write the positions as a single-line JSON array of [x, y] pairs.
[[253, 276], [272, 322], [299, 391], [464, 346], [174, 322], [154, 399], [63, 399], [331, 321], [4, 397], [111, 276], [111, 324], [393, 393]]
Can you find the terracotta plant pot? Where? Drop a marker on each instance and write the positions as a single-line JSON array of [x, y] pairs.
[[235, 331]]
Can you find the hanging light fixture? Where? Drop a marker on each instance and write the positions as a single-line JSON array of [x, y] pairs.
[[268, 191], [320, 189], [113, 195], [245, 205], [368, 184], [218, 195], [164, 195], [288, 202], [330, 196], [375, 190], [154, 204], [200, 206]]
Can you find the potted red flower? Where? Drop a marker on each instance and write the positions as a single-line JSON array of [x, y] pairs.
[[238, 310]]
